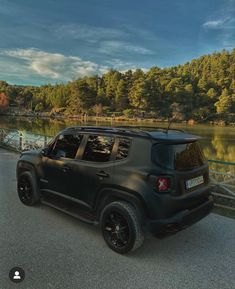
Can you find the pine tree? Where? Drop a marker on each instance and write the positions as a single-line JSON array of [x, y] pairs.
[[211, 93], [139, 95], [225, 102], [121, 98]]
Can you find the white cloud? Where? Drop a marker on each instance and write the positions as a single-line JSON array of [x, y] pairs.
[[36, 66], [223, 18], [87, 33], [120, 65], [213, 24], [223, 24], [54, 66], [111, 47], [110, 40], [123, 66]]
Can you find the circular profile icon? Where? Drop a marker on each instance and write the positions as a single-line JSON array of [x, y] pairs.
[[16, 275]]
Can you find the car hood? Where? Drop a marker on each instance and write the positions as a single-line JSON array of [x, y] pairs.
[[31, 152]]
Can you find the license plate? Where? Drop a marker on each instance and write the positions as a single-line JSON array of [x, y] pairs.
[[194, 182]]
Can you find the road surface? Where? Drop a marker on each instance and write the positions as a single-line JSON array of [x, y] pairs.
[[57, 251]]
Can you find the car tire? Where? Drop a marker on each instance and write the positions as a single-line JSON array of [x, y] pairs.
[[122, 227], [27, 189]]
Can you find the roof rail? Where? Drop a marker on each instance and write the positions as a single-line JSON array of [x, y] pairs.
[[127, 130], [88, 127], [153, 127], [110, 128]]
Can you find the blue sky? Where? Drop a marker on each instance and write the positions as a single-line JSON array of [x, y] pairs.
[[53, 41]]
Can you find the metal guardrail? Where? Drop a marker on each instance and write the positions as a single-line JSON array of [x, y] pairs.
[[222, 180], [20, 140], [223, 183]]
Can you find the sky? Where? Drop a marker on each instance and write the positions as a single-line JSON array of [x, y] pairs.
[[54, 41]]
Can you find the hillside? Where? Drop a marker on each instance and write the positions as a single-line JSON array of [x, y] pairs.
[[203, 89]]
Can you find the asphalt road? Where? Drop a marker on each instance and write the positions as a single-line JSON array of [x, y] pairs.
[[57, 251]]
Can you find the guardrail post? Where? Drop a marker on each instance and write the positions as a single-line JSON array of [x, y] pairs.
[[1, 136], [21, 141]]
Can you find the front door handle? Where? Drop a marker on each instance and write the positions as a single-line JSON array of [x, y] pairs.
[[66, 169], [102, 174]]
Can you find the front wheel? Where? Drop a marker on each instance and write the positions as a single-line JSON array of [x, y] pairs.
[[27, 189], [121, 227]]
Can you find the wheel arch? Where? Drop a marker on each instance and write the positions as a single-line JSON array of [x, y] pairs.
[[109, 195], [23, 166]]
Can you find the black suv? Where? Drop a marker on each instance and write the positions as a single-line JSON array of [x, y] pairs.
[[125, 179]]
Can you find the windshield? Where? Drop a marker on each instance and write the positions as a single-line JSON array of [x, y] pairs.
[[179, 156]]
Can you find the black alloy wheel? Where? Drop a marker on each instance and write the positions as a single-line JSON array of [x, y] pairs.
[[116, 229], [121, 227], [25, 190]]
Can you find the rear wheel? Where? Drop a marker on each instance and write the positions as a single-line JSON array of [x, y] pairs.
[[27, 189], [121, 227]]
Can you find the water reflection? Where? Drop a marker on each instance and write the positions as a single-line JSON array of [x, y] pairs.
[[218, 143]]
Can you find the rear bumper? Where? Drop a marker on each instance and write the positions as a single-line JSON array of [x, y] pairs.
[[180, 220]]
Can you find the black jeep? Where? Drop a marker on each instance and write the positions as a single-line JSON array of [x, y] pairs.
[[124, 178]]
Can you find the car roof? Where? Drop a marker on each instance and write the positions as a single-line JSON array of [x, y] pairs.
[[154, 133]]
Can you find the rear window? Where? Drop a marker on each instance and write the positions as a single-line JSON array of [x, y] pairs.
[[123, 148], [98, 148], [179, 156]]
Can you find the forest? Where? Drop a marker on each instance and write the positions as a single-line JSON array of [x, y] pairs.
[[202, 89]]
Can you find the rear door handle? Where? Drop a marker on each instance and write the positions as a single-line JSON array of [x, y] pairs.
[[102, 174], [66, 169]]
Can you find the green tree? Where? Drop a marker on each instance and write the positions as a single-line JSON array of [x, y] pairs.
[[202, 85], [98, 109], [177, 111], [39, 107], [203, 88], [111, 80], [139, 95], [225, 103], [211, 93], [121, 99]]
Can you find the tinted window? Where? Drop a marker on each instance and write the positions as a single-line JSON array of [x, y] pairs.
[[180, 156], [66, 146], [98, 148], [123, 148]]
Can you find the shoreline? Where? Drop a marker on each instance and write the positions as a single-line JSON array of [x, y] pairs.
[[115, 119]]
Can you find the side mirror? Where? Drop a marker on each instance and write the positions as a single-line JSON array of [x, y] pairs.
[[44, 152]]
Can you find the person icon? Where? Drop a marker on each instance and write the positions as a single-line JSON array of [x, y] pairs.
[[17, 275]]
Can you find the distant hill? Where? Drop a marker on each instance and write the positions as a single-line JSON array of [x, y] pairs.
[[202, 89]]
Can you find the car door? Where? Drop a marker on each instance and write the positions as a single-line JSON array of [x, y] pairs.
[[92, 170], [55, 166]]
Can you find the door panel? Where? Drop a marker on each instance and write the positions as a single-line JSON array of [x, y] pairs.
[[87, 178], [55, 168], [53, 176], [93, 170]]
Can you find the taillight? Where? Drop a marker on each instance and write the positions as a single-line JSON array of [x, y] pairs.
[[163, 184]]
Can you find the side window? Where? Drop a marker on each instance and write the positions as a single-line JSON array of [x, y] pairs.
[[66, 146], [98, 148], [123, 148]]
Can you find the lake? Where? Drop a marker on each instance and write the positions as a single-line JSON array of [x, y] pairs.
[[218, 142]]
